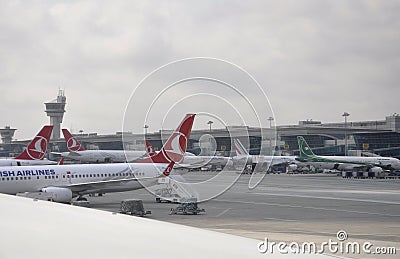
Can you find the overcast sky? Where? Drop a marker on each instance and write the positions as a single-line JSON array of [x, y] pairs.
[[314, 59]]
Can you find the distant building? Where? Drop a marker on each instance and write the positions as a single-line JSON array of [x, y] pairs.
[[380, 137], [7, 134], [55, 109]]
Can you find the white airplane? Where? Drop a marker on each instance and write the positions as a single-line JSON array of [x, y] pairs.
[[243, 155], [350, 163], [34, 153], [78, 152], [63, 182], [192, 161]]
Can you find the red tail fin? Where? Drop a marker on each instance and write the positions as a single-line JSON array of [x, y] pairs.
[[72, 143], [61, 162], [149, 149], [38, 146], [168, 169], [175, 147]]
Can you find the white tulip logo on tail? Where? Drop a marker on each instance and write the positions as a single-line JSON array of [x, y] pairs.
[[73, 145], [38, 149], [174, 150]]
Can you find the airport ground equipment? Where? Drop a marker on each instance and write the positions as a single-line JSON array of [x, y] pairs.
[[133, 207], [167, 195], [173, 190], [187, 206]]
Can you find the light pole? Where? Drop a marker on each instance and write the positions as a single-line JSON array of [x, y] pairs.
[[270, 121], [145, 130], [210, 123], [345, 115]]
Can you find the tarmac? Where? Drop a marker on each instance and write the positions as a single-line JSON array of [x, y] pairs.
[[288, 208]]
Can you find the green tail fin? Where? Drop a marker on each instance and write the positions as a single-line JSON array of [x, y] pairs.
[[305, 150]]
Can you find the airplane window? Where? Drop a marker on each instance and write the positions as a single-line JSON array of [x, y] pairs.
[[52, 176], [45, 177], [37, 177], [68, 176], [80, 176], [98, 175], [101, 175], [63, 176], [8, 179], [29, 177], [57, 176], [24, 177]]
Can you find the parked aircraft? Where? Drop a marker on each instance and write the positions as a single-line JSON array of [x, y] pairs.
[[350, 163], [62, 182], [78, 152], [192, 161], [243, 155], [34, 153]]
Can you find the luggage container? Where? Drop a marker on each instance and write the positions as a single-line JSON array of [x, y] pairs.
[[133, 207]]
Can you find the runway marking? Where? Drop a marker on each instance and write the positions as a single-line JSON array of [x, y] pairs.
[[329, 190], [327, 198], [222, 213], [291, 220], [308, 207]]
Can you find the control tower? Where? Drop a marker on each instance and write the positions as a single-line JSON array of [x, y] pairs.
[[55, 110], [7, 134]]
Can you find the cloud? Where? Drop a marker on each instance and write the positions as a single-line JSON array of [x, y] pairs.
[[314, 59]]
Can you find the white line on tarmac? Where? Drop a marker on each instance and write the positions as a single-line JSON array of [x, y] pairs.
[[307, 207], [222, 213], [327, 198], [291, 220]]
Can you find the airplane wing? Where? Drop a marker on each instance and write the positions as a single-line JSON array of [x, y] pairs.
[[87, 228], [110, 183], [97, 185]]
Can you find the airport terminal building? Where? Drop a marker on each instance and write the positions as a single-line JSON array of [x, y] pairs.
[[381, 137]]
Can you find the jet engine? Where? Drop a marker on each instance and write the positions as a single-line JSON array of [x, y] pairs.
[[376, 170], [58, 194], [292, 167]]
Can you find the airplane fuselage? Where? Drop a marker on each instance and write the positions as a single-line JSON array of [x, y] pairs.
[[81, 179], [199, 161], [24, 162], [273, 160], [348, 162], [104, 156]]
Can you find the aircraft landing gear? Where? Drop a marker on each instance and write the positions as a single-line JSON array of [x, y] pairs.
[[81, 198]]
